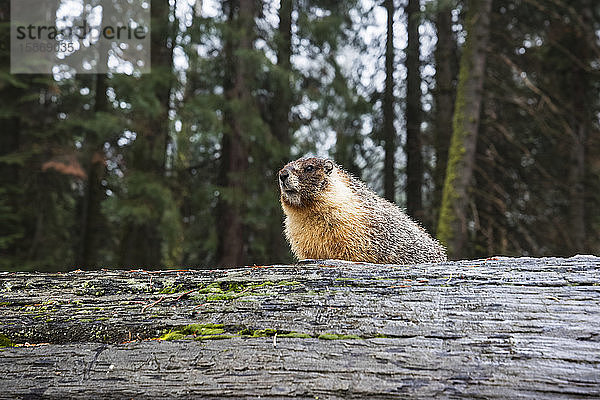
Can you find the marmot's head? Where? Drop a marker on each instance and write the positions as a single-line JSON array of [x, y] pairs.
[[302, 180]]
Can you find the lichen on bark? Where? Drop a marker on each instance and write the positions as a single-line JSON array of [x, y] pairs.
[[452, 228]]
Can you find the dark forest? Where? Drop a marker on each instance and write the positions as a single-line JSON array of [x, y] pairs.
[[480, 117]]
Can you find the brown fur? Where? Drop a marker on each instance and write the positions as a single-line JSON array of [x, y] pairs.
[[332, 215]]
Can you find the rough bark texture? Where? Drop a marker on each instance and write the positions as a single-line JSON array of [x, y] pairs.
[[389, 132], [452, 226], [495, 328], [414, 158], [231, 248], [279, 121], [92, 221], [282, 102], [445, 76], [577, 220], [581, 116]]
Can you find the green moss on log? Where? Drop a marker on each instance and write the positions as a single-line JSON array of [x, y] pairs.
[[5, 341], [195, 331]]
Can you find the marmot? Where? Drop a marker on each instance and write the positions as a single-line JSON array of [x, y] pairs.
[[329, 214]]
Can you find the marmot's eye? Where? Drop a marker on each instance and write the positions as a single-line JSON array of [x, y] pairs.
[[308, 168]]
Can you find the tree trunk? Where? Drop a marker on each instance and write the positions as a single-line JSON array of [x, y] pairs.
[[156, 135], [11, 191], [452, 226], [577, 220], [414, 158], [389, 132], [10, 234], [92, 220], [9, 139], [282, 103], [231, 250], [445, 75], [142, 240], [581, 117], [12, 229], [495, 329], [281, 126]]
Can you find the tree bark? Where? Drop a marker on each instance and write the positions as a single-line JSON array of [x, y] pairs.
[[452, 226], [231, 250], [282, 102], [9, 144], [577, 220], [92, 220], [414, 158], [389, 132], [142, 241], [9, 139], [281, 124], [580, 122], [495, 328], [445, 75]]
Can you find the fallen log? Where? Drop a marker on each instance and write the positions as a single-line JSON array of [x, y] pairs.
[[495, 328]]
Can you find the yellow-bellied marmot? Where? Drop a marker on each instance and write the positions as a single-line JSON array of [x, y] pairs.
[[332, 215]]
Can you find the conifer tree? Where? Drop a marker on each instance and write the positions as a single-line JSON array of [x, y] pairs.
[[414, 157], [452, 226]]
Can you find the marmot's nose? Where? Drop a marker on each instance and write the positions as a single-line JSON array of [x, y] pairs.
[[283, 175]]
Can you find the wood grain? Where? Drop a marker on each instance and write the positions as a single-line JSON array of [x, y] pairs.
[[497, 328]]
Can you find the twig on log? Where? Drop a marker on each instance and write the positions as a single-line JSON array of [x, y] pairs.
[[185, 294], [153, 304]]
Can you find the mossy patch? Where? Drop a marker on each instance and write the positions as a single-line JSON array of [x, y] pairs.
[[214, 337], [219, 331], [5, 341], [287, 283], [297, 335], [258, 332], [172, 336], [195, 331], [172, 289], [227, 291], [203, 329]]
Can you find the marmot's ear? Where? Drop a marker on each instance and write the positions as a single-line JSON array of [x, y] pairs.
[[328, 166]]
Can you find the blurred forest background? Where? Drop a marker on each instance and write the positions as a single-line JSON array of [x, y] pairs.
[[480, 117]]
